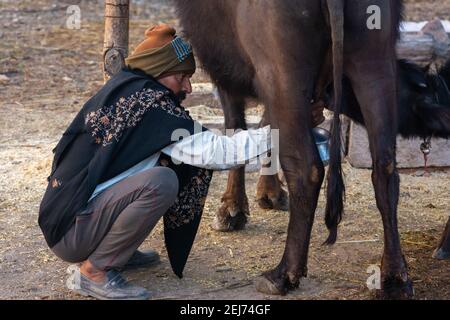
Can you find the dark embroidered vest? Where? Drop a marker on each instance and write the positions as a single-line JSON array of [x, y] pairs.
[[129, 119]]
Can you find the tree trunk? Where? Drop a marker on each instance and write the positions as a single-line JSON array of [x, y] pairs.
[[115, 47]]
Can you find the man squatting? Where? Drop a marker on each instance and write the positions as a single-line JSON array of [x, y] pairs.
[[114, 174]]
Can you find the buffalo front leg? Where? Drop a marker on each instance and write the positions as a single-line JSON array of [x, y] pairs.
[[233, 213], [269, 191], [443, 250]]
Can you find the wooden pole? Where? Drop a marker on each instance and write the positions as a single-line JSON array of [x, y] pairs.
[[430, 45], [115, 47]]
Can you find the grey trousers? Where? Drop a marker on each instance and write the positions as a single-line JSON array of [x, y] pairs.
[[117, 221]]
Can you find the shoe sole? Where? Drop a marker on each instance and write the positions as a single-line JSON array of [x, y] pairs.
[[86, 293]]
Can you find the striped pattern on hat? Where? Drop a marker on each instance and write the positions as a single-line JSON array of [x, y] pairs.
[[182, 48]]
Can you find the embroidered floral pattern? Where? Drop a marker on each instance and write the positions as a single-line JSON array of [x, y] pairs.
[[109, 122], [56, 183], [190, 201]]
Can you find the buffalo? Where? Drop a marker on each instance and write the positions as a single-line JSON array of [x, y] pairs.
[[278, 52]]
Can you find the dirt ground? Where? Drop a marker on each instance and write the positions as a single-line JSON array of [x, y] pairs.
[[48, 71]]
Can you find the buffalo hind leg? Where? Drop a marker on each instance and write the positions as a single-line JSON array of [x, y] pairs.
[[303, 170], [285, 72], [443, 250], [233, 213], [370, 64], [304, 174], [374, 84]]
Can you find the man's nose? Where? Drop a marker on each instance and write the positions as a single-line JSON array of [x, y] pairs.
[[187, 86]]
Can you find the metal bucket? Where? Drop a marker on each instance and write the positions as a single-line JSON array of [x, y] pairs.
[[322, 138]]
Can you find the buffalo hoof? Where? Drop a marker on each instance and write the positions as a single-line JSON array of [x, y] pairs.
[[397, 287], [277, 282], [228, 220], [266, 286], [276, 203], [441, 254]]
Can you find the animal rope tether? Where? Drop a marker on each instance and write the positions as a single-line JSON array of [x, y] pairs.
[[426, 147]]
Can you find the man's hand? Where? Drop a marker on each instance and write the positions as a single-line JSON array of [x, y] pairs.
[[317, 113]]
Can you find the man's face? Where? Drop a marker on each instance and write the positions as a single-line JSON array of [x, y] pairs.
[[179, 83]]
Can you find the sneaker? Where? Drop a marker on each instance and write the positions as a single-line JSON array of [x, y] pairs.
[[115, 286], [142, 259]]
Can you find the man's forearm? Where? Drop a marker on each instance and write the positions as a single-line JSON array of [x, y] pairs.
[[211, 151]]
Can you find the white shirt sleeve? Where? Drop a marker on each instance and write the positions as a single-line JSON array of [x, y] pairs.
[[219, 152]]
